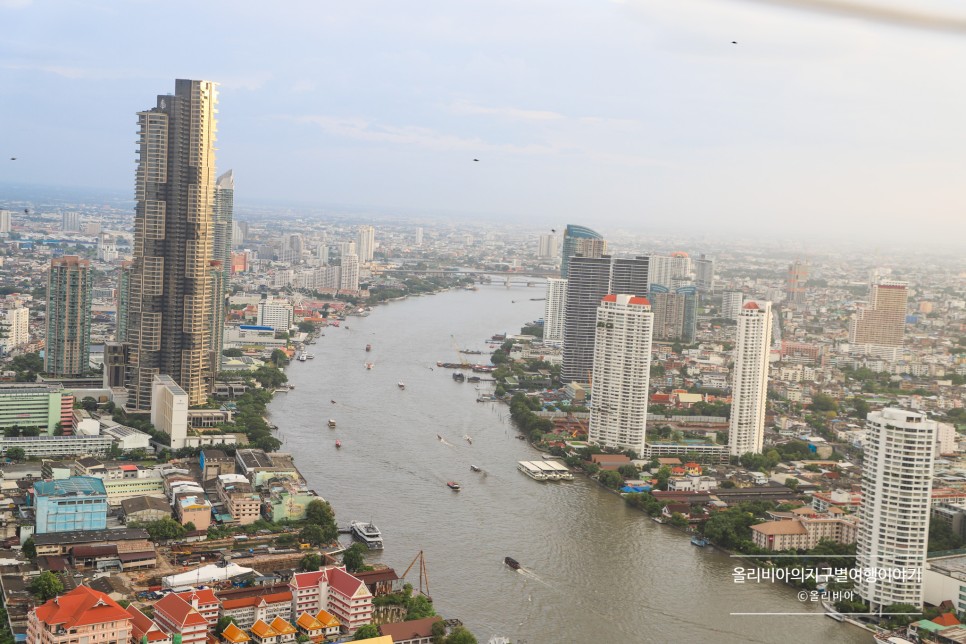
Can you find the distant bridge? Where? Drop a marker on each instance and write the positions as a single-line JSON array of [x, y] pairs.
[[508, 277]]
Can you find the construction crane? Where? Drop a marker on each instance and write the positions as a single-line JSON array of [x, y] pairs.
[[459, 356], [423, 574]]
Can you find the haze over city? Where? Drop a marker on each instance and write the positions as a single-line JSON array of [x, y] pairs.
[[743, 118]]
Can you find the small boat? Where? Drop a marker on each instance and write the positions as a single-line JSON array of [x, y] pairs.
[[475, 468], [338, 443], [401, 385], [332, 401], [699, 541], [468, 440], [332, 422], [368, 365], [302, 358], [309, 356], [439, 437], [368, 347], [513, 563], [453, 485]]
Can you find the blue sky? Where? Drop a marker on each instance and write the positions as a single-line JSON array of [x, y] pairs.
[[639, 113]]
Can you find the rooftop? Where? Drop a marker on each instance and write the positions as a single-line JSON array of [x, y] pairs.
[[73, 486]]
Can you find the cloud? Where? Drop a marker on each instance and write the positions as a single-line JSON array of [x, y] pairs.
[[910, 18], [248, 82], [15, 4], [511, 113]]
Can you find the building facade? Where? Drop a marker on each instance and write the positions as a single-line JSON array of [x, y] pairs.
[[81, 615], [68, 347], [168, 323], [349, 273], [67, 505], [749, 391], [366, 243], [731, 303], [795, 282], [554, 309], [893, 536], [622, 364], [579, 240], [883, 323]]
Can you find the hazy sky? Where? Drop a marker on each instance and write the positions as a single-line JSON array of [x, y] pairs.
[[637, 113]]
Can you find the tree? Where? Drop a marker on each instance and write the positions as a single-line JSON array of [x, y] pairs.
[[29, 549], [824, 402], [353, 559], [223, 623], [663, 475], [628, 471], [365, 632], [165, 529], [791, 483], [16, 454], [611, 479], [306, 326], [311, 561], [419, 608], [314, 535], [46, 586], [319, 513], [190, 527], [89, 404], [678, 520], [860, 408], [461, 636], [233, 353], [279, 358]]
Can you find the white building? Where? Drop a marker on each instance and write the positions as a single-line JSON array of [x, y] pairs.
[[169, 409], [894, 513], [553, 311], [946, 439], [349, 273], [622, 366], [14, 328], [675, 269], [277, 314], [367, 243], [548, 246], [731, 302], [419, 237], [70, 221], [749, 389], [5, 221]]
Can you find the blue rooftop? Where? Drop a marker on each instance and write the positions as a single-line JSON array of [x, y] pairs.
[[73, 486]]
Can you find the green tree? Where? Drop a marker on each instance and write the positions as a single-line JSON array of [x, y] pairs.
[[353, 558], [314, 534], [791, 483], [233, 353], [824, 402], [628, 471], [89, 404], [16, 454], [311, 561], [460, 636], [611, 479], [365, 632], [860, 408], [29, 549], [279, 358], [46, 586], [223, 623], [662, 477], [306, 327], [319, 512], [165, 529], [419, 608], [678, 520]]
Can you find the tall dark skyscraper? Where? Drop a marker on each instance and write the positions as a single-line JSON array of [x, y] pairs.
[[590, 279], [169, 313], [69, 287], [579, 240]]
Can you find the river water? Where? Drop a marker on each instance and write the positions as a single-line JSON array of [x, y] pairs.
[[595, 570]]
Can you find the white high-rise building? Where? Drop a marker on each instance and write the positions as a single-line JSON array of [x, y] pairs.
[[419, 236], [169, 409], [70, 221], [346, 248], [323, 253], [548, 246], [5, 221], [622, 368], [553, 312], [893, 532], [237, 234], [277, 314], [731, 302], [367, 243], [665, 269], [14, 328], [106, 248], [349, 273], [749, 390]]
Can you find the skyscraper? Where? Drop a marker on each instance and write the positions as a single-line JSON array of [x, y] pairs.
[[68, 348], [675, 313], [749, 389], [123, 300], [893, 534], [169, 322], [795, 285], [553, 312], [547, 246], [591, 278], [883, 323], [704, 274], [349, 273], [70, 221], [731, 302], [622, 366], [575, 240], [367, 243], [419, 236], [670, 270], [224, 228], [5, 221]]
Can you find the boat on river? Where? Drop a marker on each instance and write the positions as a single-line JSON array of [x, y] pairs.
[[367, 533], [453, 485], [468, 440], [476, 468], [338, 443], [513, 563], [368, 347], [699, 541], [332, 423], [401, 385], [368, 365]]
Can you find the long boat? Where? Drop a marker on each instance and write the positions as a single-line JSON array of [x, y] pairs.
[[513, 563], [367, 533]]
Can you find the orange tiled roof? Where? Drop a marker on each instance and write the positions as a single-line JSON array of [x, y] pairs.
[[179, 611], [282, 627], [234, 634], [328, 619], [308, 622], [81, 607], [946, 619], [255, 600], [262, 630]]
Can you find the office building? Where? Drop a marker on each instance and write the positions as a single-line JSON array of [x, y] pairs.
[[169, 409], [704, 274], [106, 248], [66, 505], [671, 270], [591, 278], [35, 405], [14, 328], [70, 222], [6, 222], [222, 238], [622, 364], [419, 236], [123, 300], [82, 614], [367, 243], [349, 273], [675, 313], [554, 309], [883, 322], [893, 535], [548, 246], [278, 314], [168, 323], [749, 388], [68, 347], [795, 282], [731, 303], [346, 248], [579, 240]]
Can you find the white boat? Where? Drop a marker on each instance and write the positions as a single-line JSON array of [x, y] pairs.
[[332, 422], [367, 533], [401, 385]]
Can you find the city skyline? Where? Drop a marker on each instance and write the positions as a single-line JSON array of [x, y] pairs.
[[734, 97]]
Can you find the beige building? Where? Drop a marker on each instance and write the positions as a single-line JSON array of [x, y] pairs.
[[883, 323], [82, 615], [241, 501], [804, 533], [168, 321], [69, 287]]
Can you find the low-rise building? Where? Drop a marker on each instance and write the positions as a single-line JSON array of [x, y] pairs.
[[195, 510], [81, 615], [66, 505], [804, 533], [414, 631], [239, 498], [318, 628], [144, 509], [175, 615], [249, 609]]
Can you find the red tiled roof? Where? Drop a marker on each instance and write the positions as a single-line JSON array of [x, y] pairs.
[[94, 551], [416, 628], [344, 583], [140, 622], [205, 596], [307, 579], [81, 607], [255, 600], [751, 306], [178, 611], [946, 619]]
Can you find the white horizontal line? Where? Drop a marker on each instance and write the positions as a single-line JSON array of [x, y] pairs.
[[822, 613]]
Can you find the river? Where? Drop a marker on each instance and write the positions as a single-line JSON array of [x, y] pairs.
[[595, 570]]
